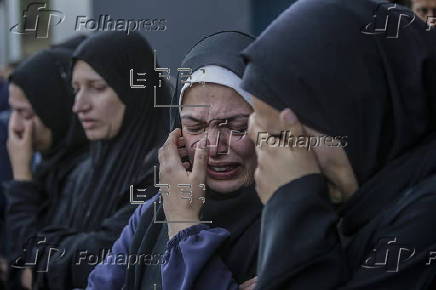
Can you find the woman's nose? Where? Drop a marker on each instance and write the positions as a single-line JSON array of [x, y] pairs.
[[16, 122], [217, 142], [81, 103]]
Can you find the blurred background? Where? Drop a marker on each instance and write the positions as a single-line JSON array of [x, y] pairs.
[[27, 26]]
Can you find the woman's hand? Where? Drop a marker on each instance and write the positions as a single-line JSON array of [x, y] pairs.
[[249, 284], [185, 195], [4, 270], [278, 165], [26, 278], [20, 151]]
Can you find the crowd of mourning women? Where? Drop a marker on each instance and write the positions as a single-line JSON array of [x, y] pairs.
[[219, 207]]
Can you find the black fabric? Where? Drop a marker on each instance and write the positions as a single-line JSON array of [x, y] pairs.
[[380, 93], [121, 161], [4, 95], [238, 212], [360, 92], [102, 206], [126, 159], [300, 247], [45, 80], [381, 97], [211, 50], [94, 204], [72, 42]]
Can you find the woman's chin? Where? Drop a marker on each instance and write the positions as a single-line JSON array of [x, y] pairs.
[[93, 135], [224, 186]]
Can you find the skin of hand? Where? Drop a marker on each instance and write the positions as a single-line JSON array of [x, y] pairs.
[[174, 173], [3, 269], [280, 165], [20, 151], [249, 284], [26, 278]]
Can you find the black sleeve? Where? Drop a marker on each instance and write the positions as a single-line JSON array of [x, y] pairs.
[[77, 253], [25, 200], [300, 246]]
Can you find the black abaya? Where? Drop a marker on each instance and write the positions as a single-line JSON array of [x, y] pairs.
[[379, 93], [94, 205], [44, 79]]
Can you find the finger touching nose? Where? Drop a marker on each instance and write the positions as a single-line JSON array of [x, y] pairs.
[[16, 122]]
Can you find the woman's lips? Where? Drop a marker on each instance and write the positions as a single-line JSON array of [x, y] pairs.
[[88, 124], [223, 171]]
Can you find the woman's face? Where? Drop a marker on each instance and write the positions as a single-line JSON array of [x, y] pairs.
[[98, 107], [22, 110], [332, 160], [425, 9], [232, 158]]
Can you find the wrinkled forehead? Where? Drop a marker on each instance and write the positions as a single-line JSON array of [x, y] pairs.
[[213, 101]]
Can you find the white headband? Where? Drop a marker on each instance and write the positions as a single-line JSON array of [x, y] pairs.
[[218, 75]]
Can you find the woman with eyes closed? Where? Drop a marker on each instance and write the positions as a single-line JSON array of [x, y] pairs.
[[209, 208], [125, 130], [41, 121], [381, 95]]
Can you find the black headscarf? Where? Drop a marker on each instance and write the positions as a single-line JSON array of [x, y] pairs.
[[238, 212], [319, 59], [128, 158], [72, 42], [45, 80]]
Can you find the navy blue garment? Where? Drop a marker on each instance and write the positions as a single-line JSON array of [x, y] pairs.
[[110, 274]]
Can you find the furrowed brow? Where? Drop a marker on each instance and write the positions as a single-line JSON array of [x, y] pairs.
[[192, 118]]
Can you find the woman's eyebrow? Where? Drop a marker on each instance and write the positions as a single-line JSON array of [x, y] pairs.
[[233, 118], [96, 81], [192, 118], [230, 118], [238, 117]]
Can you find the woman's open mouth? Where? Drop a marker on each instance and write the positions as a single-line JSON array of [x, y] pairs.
[[223, 170]]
